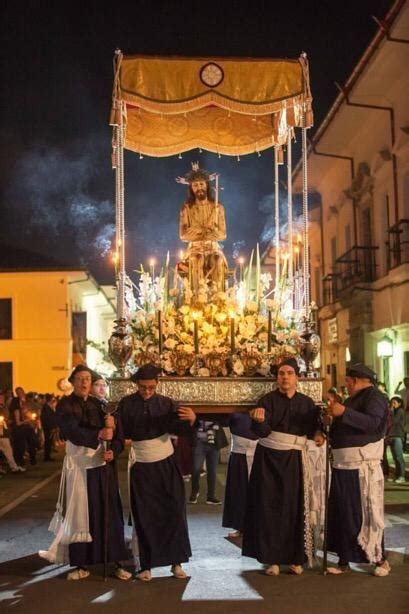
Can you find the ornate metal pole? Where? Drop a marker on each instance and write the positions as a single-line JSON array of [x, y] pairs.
[[121, 342], [306, 260], [290, 208], [277, 216]]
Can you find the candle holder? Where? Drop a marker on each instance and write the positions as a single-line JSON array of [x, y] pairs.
[[310, 345], [120, 347]]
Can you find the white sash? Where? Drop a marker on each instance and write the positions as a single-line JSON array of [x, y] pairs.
[[74, 525], [242, 445], [146, 451], [367, 459], [285, 441], [150, 450]]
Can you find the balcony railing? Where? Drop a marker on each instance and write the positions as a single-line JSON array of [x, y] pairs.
[[398, 244], [356, 266]]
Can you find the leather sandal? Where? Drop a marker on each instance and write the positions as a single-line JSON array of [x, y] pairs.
[[78, 574], [273, 570]]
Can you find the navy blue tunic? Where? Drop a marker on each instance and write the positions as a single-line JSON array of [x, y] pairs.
[[364, 421], [274, 519], [79, 422], [157, 489], [237, 479]]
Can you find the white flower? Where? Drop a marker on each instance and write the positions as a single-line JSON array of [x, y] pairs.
[[167, 365], [280, 336], [170, 343], [203, 372], [189, 349], [238, 367], [264, 369], [184, 309], [173, 292], [252, 306]]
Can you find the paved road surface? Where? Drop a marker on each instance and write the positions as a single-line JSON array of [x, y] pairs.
[[220, 579]]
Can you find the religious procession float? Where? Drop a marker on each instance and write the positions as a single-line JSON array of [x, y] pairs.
[[215, 331]]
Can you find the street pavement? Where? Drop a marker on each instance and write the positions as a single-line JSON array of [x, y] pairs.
[[219, 577]]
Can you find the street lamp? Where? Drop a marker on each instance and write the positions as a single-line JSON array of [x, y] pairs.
[[384, 347]]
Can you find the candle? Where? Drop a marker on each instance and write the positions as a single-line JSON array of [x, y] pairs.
[[196, 335], [160, 332], [232, 334], [269, 331], [241, 263], [152, 265]]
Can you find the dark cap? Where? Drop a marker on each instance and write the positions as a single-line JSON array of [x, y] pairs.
[[148, 371], [78, 369], [361, 371], [290, 362]]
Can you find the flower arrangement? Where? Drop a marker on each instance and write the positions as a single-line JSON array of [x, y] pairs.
[[241, 331]]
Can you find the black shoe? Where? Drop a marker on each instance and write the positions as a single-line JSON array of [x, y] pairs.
[[213, 501], [193, 498]]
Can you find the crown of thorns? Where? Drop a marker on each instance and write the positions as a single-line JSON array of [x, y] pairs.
[[196, 174]]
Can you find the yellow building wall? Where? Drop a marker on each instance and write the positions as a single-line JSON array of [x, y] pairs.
[[40, 349]]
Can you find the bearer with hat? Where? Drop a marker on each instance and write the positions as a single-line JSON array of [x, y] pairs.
[[85, 508], [355, 507], [156, 488], [277, 527]]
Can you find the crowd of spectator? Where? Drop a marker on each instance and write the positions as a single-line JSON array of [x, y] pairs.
[[27, 425]]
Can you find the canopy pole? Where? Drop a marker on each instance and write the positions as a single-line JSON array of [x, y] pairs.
[[290, 209], [306, 263], [120, 221], [277, 216]]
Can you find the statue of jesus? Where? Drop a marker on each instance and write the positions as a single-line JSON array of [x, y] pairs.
[[202, 225]]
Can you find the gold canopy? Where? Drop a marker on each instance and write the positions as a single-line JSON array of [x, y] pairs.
[[227, 106]]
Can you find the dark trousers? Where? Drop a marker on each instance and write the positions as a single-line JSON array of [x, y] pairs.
[[201, 452], [48, 443], [396, 446], [24, 438]]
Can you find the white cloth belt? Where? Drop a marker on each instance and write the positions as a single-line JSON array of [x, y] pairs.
[[242, 445], [74, 525], [146, 451], [367, 460], [151, 450], [285, 441]]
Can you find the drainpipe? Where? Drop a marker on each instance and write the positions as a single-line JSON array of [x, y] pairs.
[[352, 167], [391, 112]]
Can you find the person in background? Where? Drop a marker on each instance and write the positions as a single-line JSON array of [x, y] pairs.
[[243, 446], [22, 429], [49, 424], [396, 436], [210, 439], [382, 389], [99, 387], [5, 445], [404, 395], [344, 393]]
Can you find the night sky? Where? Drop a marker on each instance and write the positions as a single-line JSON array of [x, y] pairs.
[[57, 186]]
